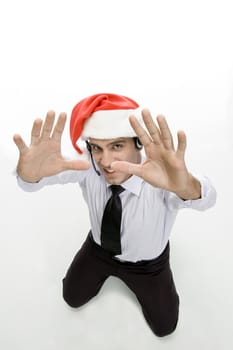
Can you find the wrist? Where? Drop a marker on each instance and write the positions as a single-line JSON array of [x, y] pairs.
[[27, 178], [192, 189]]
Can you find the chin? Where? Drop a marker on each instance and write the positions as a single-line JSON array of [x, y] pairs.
[[116, 180]]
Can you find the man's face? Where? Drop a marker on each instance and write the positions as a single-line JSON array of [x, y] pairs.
[[109, 150]]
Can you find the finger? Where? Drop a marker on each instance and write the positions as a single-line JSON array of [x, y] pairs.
[[22, 147], [59, 127], [127, 168], [151, 126], [141, 133], [36, 130], [182, 143], [76, 165], [48, 125], [166, 136]]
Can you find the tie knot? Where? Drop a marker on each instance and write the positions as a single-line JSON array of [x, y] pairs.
[[116, 189]]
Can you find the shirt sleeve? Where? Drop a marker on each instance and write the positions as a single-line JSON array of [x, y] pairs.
[[207, 200], [69, 176]]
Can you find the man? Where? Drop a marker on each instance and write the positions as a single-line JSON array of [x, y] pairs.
[[129, 236]]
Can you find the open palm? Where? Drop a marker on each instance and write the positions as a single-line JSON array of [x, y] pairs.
[[43, 157], [165, 166]]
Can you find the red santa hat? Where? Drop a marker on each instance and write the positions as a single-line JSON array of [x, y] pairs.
[[103, 116]]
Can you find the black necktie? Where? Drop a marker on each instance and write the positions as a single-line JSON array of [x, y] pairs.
[[111, 222]]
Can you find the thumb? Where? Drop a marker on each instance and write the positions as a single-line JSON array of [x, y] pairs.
[[127, 168], [76, 164], [20, 143]]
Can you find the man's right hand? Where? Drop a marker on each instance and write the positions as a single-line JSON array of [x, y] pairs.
[[43, 157]]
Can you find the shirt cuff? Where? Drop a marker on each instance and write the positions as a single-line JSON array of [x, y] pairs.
[[29, 186], [207, 200]]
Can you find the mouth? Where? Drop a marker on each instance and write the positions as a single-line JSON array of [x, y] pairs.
[[109, 171]]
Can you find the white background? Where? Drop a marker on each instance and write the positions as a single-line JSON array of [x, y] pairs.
[[175, 57]]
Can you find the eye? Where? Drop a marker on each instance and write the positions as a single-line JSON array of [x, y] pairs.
[[117, 146], [95, 148]]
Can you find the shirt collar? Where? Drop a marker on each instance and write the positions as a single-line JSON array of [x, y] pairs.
[[133, 184]]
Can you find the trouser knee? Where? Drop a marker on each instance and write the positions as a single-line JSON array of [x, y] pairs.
[[72, 302], [165, 324], [71, 297], [76, 296], [164, 331]]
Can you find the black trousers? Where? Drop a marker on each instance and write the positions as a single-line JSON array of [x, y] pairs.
[[151, 281]]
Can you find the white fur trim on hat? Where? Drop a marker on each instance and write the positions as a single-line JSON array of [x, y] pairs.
[[109, 124]]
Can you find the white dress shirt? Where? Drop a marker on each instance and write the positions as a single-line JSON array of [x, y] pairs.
[[148, 213]]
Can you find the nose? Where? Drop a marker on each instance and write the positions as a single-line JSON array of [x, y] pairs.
[[106, 159]]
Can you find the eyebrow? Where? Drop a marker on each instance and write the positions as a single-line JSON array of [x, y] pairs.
[[117, 141], [120, 140]]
